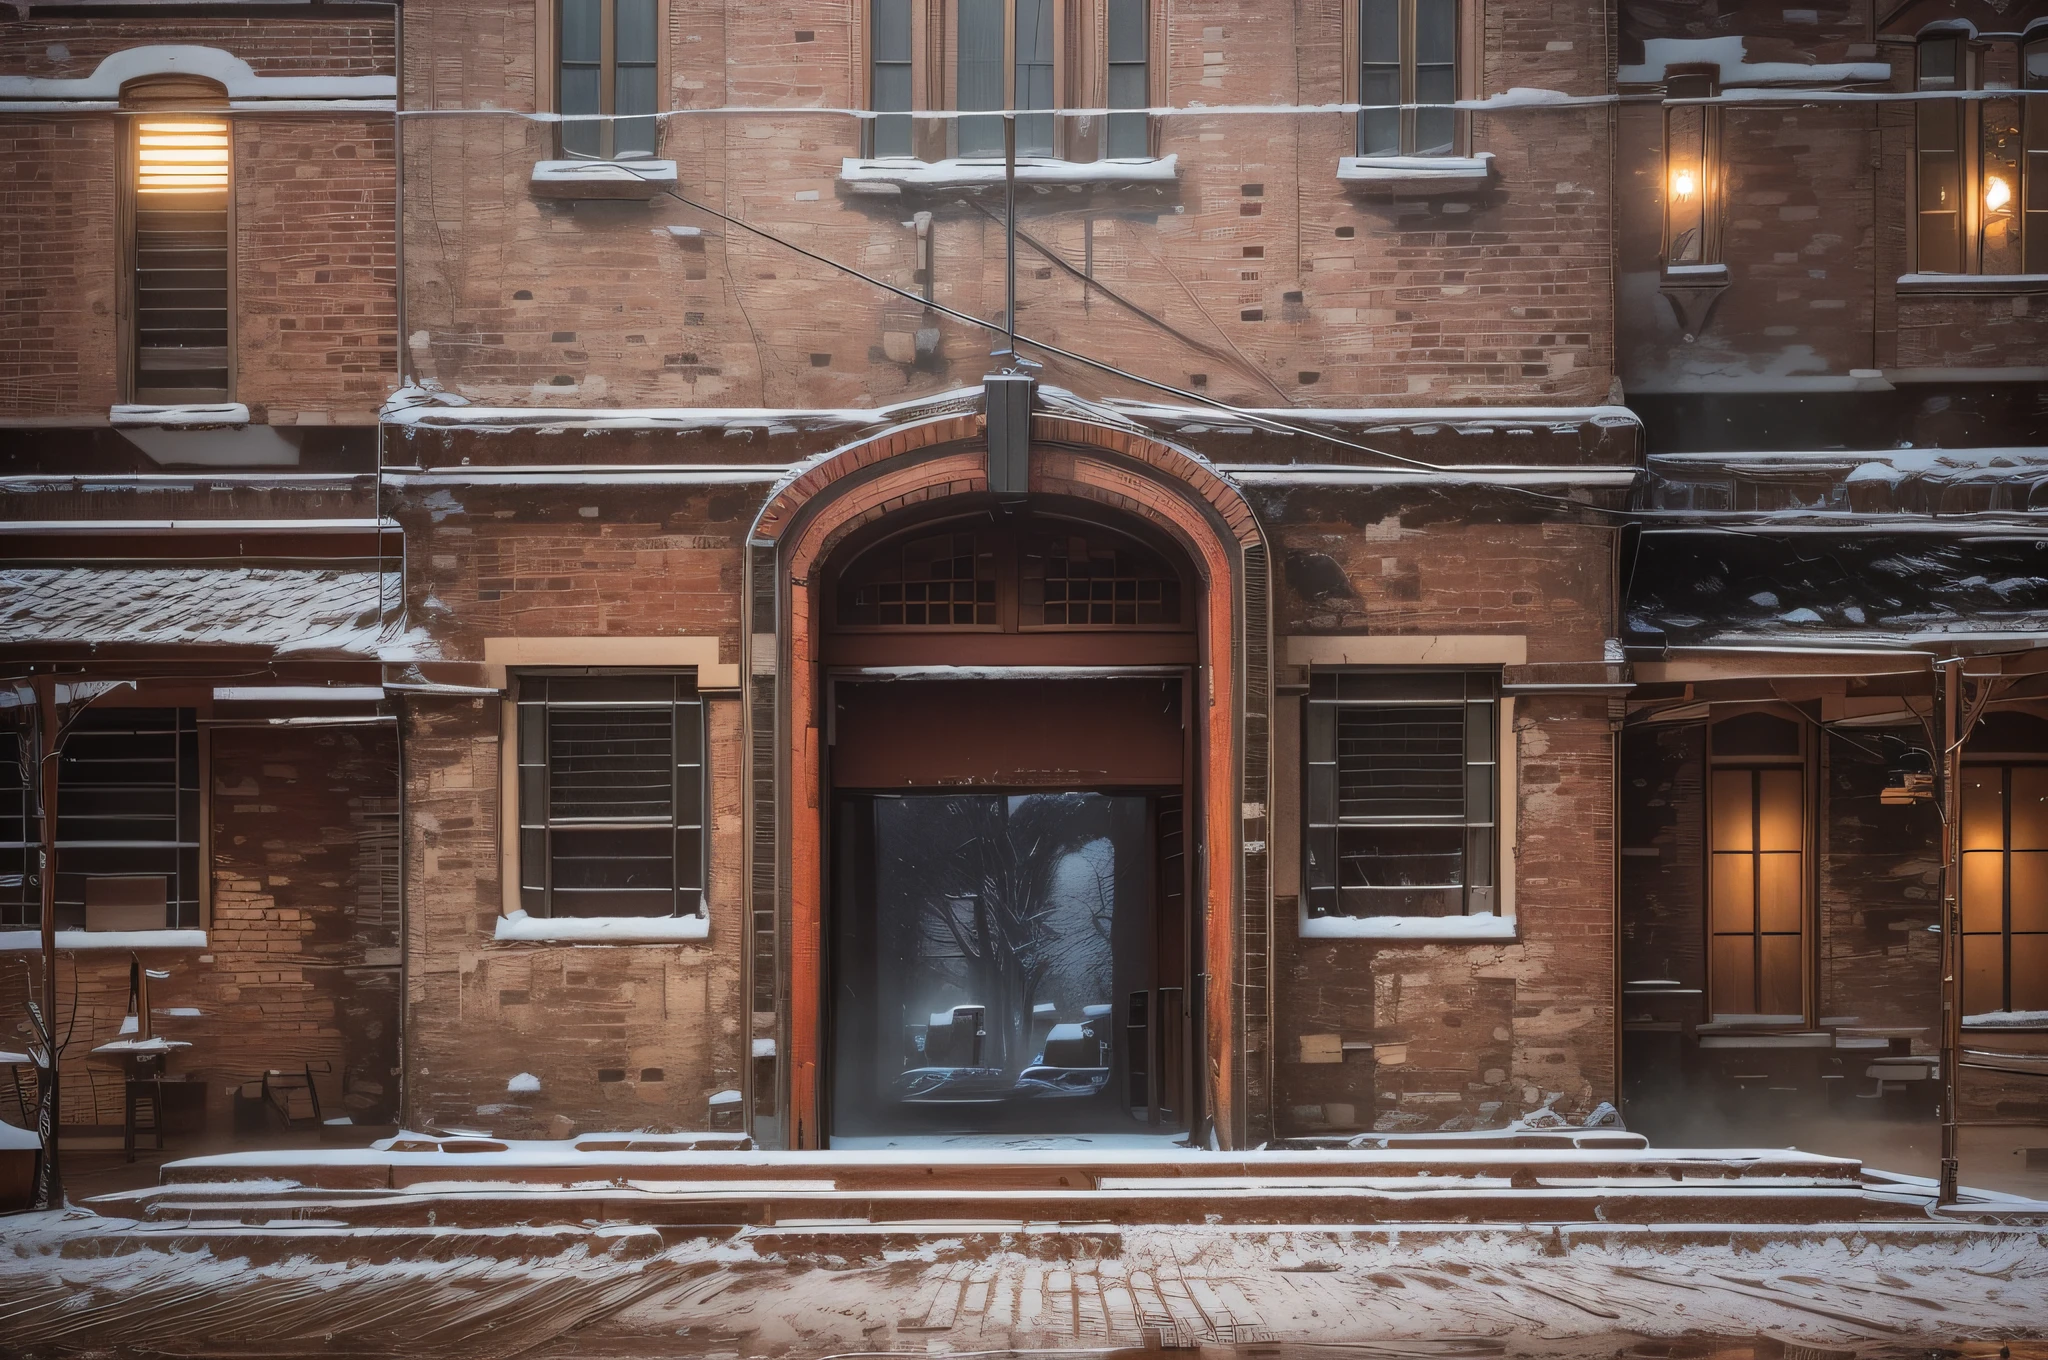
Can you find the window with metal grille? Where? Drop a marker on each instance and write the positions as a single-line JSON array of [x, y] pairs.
[[945, 580], [182, 258], [128, 824], [611, 795], [1069, 578], [1407, 77], [607, 57], [1403, 793]]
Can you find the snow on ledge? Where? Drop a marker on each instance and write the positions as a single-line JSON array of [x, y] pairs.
[[27, 940], [635, 179], [961, 173], [2007, 1020], [1478, 926], [207, 415], [524, 929], [1661, 54], [208, 63], [1422, 171]]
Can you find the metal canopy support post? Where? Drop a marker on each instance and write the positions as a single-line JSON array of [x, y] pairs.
[[1010, 236], [1950, 688], [50, 1183]]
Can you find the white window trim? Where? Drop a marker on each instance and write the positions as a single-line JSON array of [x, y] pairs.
[[501, 656], [1432, 649]]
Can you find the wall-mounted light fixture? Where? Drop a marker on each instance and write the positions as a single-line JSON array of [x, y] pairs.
[[1683, 185], [1997, 194], [181, 157]]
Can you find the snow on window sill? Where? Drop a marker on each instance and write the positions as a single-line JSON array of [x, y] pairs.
[[1419, 174], [204, 415], [1478, 926], [2016, 1020], [898, 173], [1695, 273], [1971, 285], [26, 940], [520, 928], [629, 179]]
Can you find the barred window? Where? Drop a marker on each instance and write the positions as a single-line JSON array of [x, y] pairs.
[[1403, 793], [944, 580], [2005, 887], [611, 795], [128, 823], [1757, 868]]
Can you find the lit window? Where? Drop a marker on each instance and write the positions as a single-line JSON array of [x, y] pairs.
[[2005, 887], [182, 258], [1407, 77], [1757, 869], [611, 795], [1403, 793], [607, 62], [1980, 166]]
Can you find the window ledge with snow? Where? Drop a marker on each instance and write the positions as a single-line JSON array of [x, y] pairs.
[[520, 928], [26, 940], [1417, 174], [894, 174], [629, 179], [1478, 926], [2014, 1020], [201, 416], [1695, 274], [1971, 285]]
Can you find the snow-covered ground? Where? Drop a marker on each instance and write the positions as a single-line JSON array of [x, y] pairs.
[[79, 1281]]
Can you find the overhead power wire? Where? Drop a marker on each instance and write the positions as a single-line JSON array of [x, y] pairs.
[[1267, 422]]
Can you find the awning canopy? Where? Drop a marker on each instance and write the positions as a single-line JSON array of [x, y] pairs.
[[287, 610]]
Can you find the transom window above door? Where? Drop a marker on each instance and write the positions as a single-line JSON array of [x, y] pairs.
[[1010, 576]]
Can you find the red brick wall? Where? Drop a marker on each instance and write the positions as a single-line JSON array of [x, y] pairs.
[[1496, 297], [298, 966], [316, 232]]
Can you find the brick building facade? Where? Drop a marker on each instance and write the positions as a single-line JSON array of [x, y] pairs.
[[1453, 388]]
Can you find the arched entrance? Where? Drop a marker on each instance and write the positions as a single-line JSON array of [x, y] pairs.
[[836, 657]]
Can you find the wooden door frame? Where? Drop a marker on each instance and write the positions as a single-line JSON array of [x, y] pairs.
[[1120, 470]]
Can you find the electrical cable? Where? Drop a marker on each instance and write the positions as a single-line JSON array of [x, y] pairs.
[[1271, 424]]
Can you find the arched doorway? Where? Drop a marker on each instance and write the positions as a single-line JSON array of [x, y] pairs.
[[1008, 767], [1116, 478]]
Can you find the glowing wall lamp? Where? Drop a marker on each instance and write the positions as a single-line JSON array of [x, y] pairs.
[[1683, 185], [1997, 193]]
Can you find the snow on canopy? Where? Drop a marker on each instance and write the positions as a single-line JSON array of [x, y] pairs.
[[355, 612]]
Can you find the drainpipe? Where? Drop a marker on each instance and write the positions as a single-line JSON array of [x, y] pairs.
[[1950, 688], [50, 1113]]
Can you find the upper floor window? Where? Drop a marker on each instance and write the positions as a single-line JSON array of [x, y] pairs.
[[181, 242], [607, 60], [611, 795], [1403, 785], [1981, 165], [1034, 57], [1407, 77]]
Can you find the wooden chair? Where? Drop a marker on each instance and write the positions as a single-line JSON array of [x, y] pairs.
[[282, 1086]]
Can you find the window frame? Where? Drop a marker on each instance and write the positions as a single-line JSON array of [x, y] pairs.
[[2006, 764], [1495, 897], [531, 889], [1465, 61], [548, 77], [1080, 78], [142, 100], [190, 719], [1803, 762], [1965, 118]]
